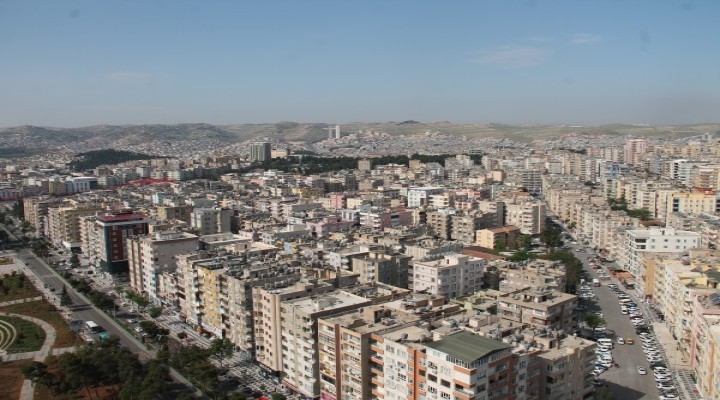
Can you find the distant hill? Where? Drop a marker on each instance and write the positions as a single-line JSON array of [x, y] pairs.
[[178, 138]]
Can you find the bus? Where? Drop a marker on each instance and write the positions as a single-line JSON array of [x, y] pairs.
[[93, 327]]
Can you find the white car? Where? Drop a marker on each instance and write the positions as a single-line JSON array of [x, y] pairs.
[[663, 386], [669, 396], [620, 340], [641, 371]]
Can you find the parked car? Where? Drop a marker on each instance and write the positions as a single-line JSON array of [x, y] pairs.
[[641, 371]]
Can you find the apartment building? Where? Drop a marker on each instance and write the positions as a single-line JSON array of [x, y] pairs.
[[64, 223], [539, 307], [299, 344], [528, 216], [104, 238], [654, 240], [504, 238], [151, 255], [209, 221], [267, 319], [704, 348], [451, 276], [35, 209], [676, 285], [466, 365], [463, 227], [345, 350], [420, 196], [180, 213], [381, 219], [440, 222], [635, 150], [566, 369], [693, 203], [215, 292], [533, 273], [383, 267]]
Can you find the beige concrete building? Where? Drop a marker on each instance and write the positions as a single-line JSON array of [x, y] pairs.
[[450, 276], [539, 307], [530, 273], [379, 266], [504, 238], [151, 255], [181, 213], [299, 319], [35, 209], [566, 369], [528, 216], [64, 223], [267, 319]]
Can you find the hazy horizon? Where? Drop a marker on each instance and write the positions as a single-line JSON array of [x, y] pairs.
[[82, 63], [571, 125]]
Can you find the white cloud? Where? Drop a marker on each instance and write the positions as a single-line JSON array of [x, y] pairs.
[[513, 56], [583, 38]]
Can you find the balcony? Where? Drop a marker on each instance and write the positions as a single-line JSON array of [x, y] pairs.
[[463, 393]]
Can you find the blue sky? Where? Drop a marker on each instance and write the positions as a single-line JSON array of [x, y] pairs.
[[76, 63]]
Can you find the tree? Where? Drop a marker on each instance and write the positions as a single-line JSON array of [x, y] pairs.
[[155, 312], [102, 301], [573, 267], [551, 237], [520, 255], [500, 245], [278, 396], [604, 394], [222, 349], [140, 301], [65, 299], [523, 242], [36, 372], [593, 320], [74, 261], [18, 210]]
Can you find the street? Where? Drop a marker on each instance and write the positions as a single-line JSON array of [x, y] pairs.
[[624, 381], [84, 310]]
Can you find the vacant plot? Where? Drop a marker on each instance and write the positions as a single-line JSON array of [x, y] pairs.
[[16, 286], [47, 312], [12, 379], [28, 336]]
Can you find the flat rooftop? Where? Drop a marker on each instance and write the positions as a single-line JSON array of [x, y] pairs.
[[327, 301]]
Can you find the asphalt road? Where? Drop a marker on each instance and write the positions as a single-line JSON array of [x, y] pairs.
[[624, 381], [82, 309]]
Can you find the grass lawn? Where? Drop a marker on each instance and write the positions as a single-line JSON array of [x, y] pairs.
[[12, 379], [29, 337], [46, 312], [15, 287]]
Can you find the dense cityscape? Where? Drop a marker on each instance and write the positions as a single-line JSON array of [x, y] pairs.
[[490, 273]]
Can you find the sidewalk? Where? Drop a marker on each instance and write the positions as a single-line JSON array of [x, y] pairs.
[[27, 392]]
